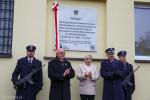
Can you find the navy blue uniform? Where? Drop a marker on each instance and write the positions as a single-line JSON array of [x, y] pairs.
[[60, 85], [22, 69], [130, 88], [113, 74]]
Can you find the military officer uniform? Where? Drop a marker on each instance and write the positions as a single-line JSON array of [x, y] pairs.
[[25, 66], [112, 72], [129, 89]]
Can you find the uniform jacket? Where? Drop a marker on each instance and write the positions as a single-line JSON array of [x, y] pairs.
[[112, 89], [130, 88], [22, 69]]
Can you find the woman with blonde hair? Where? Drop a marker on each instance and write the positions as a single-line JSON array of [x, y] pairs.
[[87, 75]]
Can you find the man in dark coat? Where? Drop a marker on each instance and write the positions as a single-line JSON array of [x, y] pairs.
[[60, 72], [113, 74], [25, 66], [130, 86]]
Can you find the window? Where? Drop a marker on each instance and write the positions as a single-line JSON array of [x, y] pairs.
[[142, 32], [6, 27]]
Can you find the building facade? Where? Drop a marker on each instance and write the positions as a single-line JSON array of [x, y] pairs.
[[33, 23]]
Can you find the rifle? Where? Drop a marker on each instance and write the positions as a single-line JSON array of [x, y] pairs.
[[27, 78], [126, 81]]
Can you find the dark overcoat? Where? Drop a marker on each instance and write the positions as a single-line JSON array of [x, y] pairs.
[[112, 89], [22, 69], [60, 85], [130, 88]]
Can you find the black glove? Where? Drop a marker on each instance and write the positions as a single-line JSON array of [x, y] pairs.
[[117, 74], [15, 85]]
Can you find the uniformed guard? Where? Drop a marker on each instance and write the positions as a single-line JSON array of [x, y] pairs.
[[112, 72], [25, 66], [60, 72], [130, 86]]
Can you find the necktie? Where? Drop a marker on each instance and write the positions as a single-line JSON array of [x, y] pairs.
[[125, 67], [30, 61]]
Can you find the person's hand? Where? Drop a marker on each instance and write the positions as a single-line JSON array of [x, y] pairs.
[[88, 74], [117, 74], [16, 84], [67, 72]]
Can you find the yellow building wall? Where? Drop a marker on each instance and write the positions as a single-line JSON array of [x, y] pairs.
[[101, 37], [29, 28], [33, 24]]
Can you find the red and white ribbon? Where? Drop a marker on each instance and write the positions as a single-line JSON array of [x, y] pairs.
[[55, 9]]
